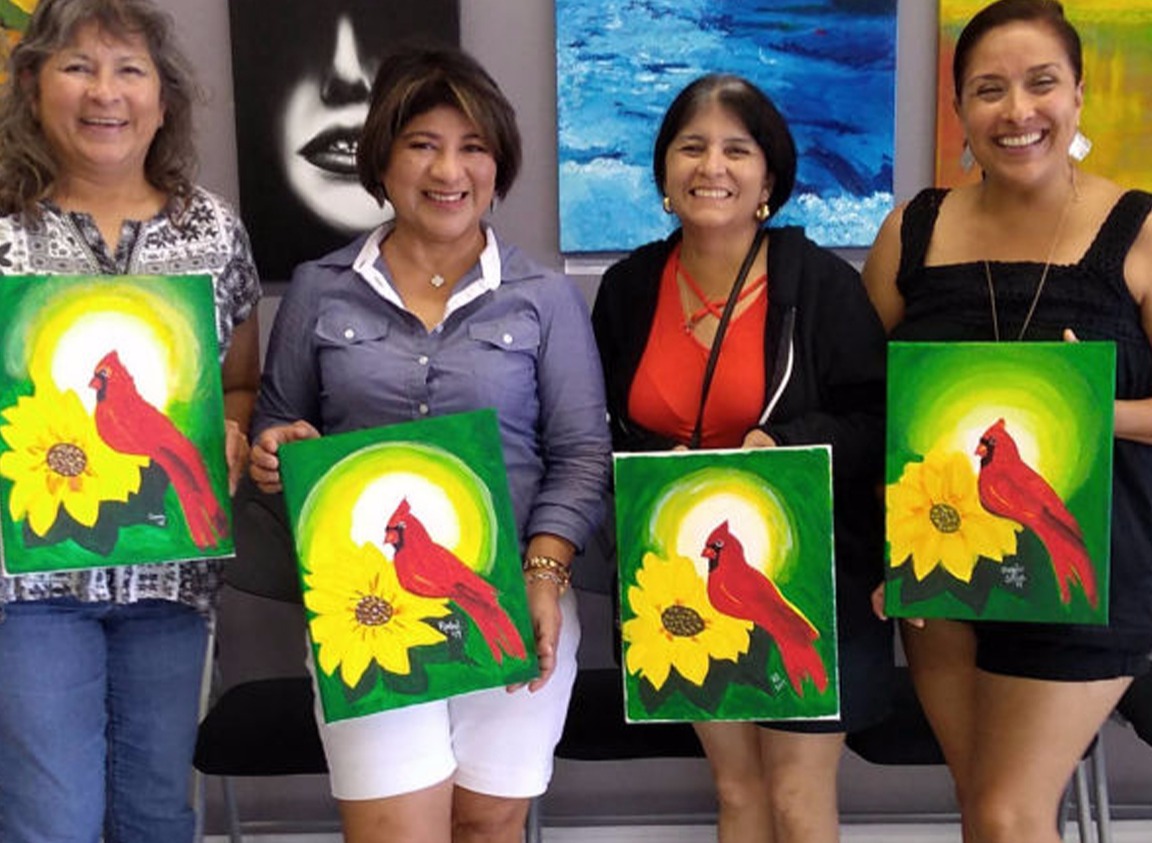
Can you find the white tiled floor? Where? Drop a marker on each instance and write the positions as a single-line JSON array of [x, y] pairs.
[[1123, 832]]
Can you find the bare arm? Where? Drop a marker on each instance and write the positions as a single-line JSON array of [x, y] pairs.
[[880, 271], [544, 603], [240, 377]]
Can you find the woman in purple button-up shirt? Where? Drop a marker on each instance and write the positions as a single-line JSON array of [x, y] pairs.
[[430, 315]]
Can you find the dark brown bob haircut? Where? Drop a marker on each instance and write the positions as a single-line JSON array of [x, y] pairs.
[[1049, 13], [416, 79], [28, 170], [751, 107]]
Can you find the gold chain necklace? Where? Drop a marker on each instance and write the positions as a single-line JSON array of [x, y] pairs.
[[1043, 273]]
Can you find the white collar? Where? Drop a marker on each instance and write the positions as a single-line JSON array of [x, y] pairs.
[[369, 265]]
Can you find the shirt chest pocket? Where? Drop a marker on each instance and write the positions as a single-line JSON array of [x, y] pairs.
[[503, 358], [341, 327], [350, 356]]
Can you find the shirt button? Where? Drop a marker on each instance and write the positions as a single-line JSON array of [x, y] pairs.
[[507, 339], [349, 333], [422, 359], [423, 409]]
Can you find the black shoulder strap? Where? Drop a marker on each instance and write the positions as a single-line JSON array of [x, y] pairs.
[[916, 231], [1119, 231], [721, 329]]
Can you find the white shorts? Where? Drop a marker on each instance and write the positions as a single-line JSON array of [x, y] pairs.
[[491, 742]]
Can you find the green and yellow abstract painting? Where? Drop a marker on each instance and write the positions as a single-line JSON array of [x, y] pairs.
[[111, 423], [409, 563], [727, 590], [1117, 89], [14, 16], [999, 480]]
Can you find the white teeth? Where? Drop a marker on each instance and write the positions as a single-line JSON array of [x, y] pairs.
[[445, 197], [103, 121], [710, 193], [1017, 141]]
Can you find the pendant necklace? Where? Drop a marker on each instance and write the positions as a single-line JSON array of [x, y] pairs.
[[437, 280], [713, 308], [1043, 272]]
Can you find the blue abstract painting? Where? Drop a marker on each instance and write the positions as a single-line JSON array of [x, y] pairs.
[[829, 65]]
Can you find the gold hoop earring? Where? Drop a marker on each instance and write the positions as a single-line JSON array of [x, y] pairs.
[[763, 212], [667, 205]]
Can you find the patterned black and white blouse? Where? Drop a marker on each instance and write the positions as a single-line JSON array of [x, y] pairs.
[[200, 235]]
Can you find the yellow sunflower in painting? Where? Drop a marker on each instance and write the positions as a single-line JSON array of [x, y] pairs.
[[935, 516], [362, 614], [675, 625], [57, 458]]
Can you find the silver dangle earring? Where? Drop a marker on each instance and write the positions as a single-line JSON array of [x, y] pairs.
[[1080, 146], [763, 212], [967, 159], [667, 205]]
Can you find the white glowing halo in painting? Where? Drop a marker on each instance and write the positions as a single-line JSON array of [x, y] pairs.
[[745, 521], [84, 343], [380, 498]]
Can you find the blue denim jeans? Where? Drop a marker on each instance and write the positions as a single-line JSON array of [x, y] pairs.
[[98, 711]]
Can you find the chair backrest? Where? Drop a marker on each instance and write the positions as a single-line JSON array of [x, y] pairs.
[[265, 563], [1136, 707], [904, 736], [596, 730]]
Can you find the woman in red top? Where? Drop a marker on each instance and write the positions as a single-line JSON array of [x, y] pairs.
[[801, 363]]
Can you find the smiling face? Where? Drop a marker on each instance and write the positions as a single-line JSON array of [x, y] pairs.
[[1020, 103], [441, 177], [716, 174], [321, 124], [98, 103]]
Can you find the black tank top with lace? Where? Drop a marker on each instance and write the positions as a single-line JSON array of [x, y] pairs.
[[951, 302]]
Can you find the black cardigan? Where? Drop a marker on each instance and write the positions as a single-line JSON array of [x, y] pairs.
[[824, 347]]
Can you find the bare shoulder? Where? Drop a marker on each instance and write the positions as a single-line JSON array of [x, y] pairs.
[[881, 267]]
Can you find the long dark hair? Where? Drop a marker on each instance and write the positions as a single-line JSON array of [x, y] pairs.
[[753, 108], [1049, 13]]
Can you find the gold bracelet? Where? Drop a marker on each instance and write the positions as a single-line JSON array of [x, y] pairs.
[[548, 563], [560, 573], [545, 575]]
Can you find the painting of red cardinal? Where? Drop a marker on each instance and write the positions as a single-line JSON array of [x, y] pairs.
[[737, 589], [1010, 488], [130, 425], [431, 570]]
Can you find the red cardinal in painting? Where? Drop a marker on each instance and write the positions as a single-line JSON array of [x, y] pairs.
[[1011, 489], [430, 570], [131, 425], [737, 589]]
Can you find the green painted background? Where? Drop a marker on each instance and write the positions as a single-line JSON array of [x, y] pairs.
[[1067, 389], [442, 670], [801, 478]]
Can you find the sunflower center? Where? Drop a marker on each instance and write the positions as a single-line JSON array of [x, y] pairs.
[[67, 459], [682, 621], [373, 611], [944, 518]]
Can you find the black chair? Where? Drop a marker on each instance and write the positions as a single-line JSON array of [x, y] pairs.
[[904, 736], [595, 729], [1136, 707], [264, 727]]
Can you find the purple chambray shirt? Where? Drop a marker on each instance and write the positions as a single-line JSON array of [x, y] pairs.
[[346, 354]]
